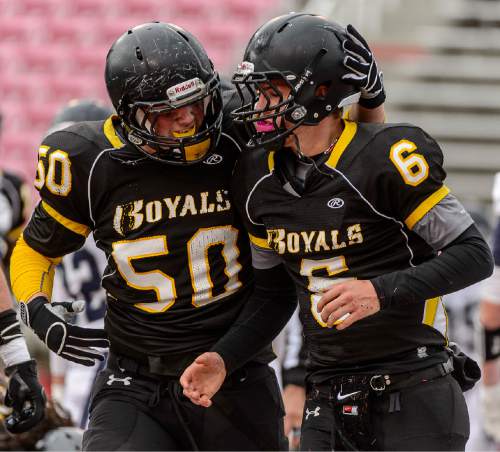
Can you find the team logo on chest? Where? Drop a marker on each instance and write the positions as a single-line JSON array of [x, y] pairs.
[[214, 159], [335, 203]]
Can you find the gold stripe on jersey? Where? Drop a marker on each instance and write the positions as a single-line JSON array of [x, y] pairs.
[[77, 228], [31, 273], [426, 205], [435, 315], [261, 243], [270, 161], [110, 133], [344, 140]]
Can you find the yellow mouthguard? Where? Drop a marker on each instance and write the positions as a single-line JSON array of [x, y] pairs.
[[187, 133]]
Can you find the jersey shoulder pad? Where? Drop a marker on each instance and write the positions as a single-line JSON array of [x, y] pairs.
[[65, 159], [401, 171]]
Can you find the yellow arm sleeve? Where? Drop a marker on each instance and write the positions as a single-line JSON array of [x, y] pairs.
[[31, 272]]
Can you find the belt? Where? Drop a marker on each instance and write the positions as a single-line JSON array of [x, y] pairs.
[[391, 382], [379, 383], [132, 365]]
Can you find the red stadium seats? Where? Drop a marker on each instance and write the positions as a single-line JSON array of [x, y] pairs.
[[55, 50]]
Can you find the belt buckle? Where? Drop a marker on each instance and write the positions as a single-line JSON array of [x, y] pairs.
[[377, 383]]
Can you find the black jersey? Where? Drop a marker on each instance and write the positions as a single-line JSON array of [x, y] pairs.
[[374, 205], [178, 266]]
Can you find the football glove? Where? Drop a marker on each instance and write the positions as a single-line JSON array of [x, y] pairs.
[[25, 396], [71, 342], [362, 69]]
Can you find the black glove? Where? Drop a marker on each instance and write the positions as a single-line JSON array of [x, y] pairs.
[[25, 396], [362, 69], [72, 342]]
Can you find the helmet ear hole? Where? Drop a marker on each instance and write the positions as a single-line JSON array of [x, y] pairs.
[[322, 90]]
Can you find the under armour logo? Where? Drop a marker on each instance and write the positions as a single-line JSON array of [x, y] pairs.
[[112, 379], [315, 412], [214, 159]]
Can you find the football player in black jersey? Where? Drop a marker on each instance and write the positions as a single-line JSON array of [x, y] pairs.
[[152, 184], [358, 218]]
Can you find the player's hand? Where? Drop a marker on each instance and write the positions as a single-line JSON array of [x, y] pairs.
[[71, 342], [294, 398], [363, 72], [25, 396], [203, 378], [357, 298]]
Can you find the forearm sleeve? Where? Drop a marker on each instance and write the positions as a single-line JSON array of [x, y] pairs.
[[31, 272], [265, 314], [465, 261]]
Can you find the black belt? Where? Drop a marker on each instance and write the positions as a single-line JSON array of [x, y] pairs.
[[121, 362], [391, 382], [379, 383]]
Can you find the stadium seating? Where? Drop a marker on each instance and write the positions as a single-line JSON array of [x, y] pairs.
[[54, 50]]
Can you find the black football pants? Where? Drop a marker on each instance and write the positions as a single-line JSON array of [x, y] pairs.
[[135, 412], [428, 416]]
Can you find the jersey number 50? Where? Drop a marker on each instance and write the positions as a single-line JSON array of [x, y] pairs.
[[126, 251]]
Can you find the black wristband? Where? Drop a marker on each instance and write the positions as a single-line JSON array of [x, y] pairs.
[[9, 326], [491, 344]]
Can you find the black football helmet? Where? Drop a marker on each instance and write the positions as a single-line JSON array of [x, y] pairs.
[[153, 69], [77, 110], [304, 51]]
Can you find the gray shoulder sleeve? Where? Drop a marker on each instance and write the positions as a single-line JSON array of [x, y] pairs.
[[264, 258], [443, 223]]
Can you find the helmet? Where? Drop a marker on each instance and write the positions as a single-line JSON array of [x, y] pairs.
[[62, 438], [77, 110], [304, 51], [153, 69]]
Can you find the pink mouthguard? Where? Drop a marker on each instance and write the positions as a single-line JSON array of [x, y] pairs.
[[264, 126]]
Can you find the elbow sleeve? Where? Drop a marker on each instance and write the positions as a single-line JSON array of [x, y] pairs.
[[31, 272]]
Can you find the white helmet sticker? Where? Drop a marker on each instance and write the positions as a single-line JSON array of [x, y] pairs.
[[185, 89], [245, 67]]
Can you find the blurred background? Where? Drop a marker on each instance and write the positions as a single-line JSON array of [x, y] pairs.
[[440, 58], [441, 61]]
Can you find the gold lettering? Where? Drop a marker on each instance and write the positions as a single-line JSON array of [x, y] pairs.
[[153, 211], [205, 207], [172, 206], [308, 238], [321, 242], [354, 234], [293, 242], [188, 205], [335, 240], [128, 217], [220, 200], [276, 240]]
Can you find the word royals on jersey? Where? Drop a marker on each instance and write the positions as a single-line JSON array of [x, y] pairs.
[[132, 215], [283, 241]]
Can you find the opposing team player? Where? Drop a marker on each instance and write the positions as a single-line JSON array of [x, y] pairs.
[[354, 214]]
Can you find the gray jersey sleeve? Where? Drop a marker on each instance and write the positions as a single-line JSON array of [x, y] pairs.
[[264, 258], [443, 223]]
